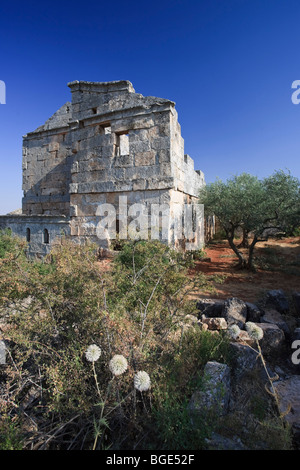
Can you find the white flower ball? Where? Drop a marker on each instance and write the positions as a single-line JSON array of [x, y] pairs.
[[93, 353], [118, 364], [142, 381]]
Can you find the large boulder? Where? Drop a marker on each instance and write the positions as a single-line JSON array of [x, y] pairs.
[[235, 312], [214, 394]]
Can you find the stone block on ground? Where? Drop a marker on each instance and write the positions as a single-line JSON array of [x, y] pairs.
[[214, 323], [288, 392], [235, 312], [210, 307], [296, 301], [273, 340], [254, 313], [277, 299], [296, 334], [244, 359], [214, 395], [245, 338], [273, 316], [219, 442]]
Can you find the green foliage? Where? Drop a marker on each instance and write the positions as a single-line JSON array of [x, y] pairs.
[[184, 375], [255, 206], [11, 437], [296, 232], [55, 308], [175, 430], [10, 245], [139, 307]]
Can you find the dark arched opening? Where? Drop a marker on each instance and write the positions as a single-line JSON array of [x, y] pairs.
[[46, 236]]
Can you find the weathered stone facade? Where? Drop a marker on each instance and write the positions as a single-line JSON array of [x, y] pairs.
[[109, 142]]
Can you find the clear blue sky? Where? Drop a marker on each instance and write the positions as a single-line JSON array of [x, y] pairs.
[[228, 64]]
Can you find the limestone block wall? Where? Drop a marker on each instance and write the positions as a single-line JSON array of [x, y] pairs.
[[103, 165], [47, 159], [186, 179], [109, 142]]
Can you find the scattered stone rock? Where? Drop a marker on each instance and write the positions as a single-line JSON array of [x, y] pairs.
[[296, 334], [254, 313], [235, 312], [215, 323], [280, 372], [210, 307], [219, 442], [245, 338], [273, 316], [244, 359], [289, 400], [273, 339], [278, 300], [296, 301], [215, 393]]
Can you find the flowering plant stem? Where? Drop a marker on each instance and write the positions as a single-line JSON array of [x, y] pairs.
[[96, 380], [271, 379]]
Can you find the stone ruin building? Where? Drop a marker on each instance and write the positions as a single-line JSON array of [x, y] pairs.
[[107, 142]]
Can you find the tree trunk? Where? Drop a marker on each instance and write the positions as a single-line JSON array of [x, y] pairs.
[[242, 262], [244, 243], [250, 253]]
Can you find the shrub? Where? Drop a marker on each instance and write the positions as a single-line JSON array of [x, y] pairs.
[[56, 308]]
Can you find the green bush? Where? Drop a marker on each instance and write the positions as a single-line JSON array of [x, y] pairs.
[[55, 308], [51, 311], [11, 437]]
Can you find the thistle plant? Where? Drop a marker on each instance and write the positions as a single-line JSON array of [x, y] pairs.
[[234, 331], [92, 355], [256, 333], [118, 366], [142, 381]]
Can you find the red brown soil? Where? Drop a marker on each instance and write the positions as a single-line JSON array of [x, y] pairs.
[[247, 285], [243, 284]]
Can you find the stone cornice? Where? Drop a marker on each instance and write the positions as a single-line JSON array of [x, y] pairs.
[[101, 87]]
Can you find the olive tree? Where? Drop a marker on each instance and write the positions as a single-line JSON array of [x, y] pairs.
[[260, 208]]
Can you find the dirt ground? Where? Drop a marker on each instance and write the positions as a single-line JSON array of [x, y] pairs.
[[277, 267]]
